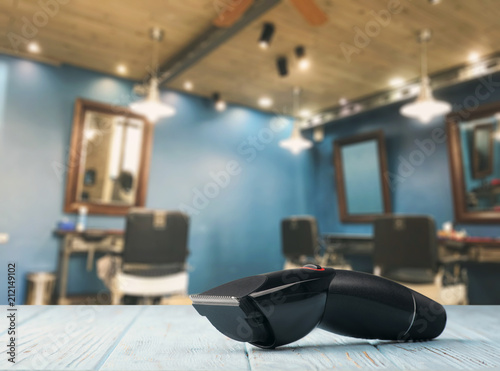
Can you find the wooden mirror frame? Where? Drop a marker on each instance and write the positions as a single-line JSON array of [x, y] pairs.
[[462, 215], [71, 204], [345, 217]]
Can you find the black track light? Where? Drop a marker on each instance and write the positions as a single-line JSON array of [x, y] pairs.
[[303, 61], [266, 35], [219, 103], [282, 64]]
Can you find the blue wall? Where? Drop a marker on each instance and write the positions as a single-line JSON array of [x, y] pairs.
[[425, 189], [235, 234]]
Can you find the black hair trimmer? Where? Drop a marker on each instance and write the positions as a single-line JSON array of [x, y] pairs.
[[278, 308]]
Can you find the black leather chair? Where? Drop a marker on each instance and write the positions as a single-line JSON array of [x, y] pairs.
[[301, 244], [154, 255], [406, 250], [299, 240]]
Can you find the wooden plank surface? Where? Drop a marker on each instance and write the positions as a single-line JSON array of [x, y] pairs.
[[176, 337], [465, 343], [27, 313], [68, 337], [469, 341]]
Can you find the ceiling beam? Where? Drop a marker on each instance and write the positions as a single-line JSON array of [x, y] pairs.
[[210, 40], [455, 75]]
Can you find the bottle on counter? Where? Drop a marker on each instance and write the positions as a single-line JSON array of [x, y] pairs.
[[81, 224]]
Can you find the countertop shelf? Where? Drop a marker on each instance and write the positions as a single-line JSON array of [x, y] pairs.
[[112, 232], [177, 338]]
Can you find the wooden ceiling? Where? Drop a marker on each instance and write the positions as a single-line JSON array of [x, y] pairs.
[[100, 34], [242, 72]]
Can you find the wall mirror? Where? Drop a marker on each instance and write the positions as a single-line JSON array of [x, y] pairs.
[[362, 190], [109, 159], [474, 146], [482, 150]]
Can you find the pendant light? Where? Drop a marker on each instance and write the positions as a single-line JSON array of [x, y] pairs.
[[296, 143], [425, 107], [152, 107]]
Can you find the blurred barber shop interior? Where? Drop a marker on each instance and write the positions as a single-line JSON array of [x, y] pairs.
[[154, 149]]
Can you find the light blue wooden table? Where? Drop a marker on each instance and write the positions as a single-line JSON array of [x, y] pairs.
[[177, 338]]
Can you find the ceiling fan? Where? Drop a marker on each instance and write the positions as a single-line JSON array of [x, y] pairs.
[[311, 12], [233, 11]]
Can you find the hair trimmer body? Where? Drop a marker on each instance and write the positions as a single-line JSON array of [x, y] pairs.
[[278, 308]]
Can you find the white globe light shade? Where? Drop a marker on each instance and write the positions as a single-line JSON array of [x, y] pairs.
[[425, 111], [296, 143], [425, 107], [152, 107]]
